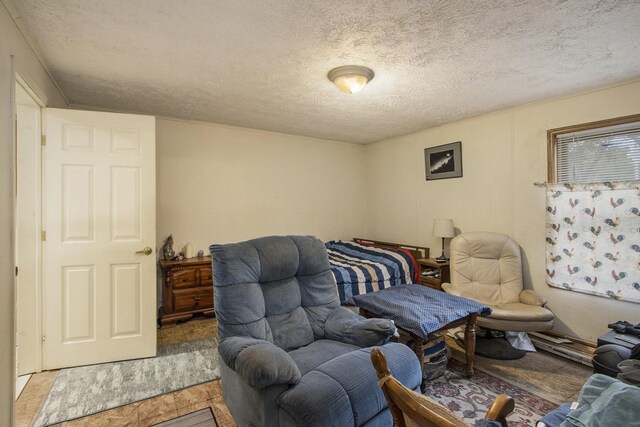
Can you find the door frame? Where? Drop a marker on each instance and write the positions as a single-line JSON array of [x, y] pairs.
[[35, 305], [34, 288]]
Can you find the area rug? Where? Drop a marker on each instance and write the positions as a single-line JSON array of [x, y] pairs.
[[470, 398], [86, 390]]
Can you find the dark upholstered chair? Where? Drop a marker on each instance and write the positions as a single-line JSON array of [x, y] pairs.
[[291, 356]]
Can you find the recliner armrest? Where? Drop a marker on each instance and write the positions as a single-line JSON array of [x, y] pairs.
[[259, 362], [529, 297], [451, 289], [344, 391], [346, 326]]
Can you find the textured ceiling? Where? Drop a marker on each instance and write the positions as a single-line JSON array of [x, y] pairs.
[[263, 63]]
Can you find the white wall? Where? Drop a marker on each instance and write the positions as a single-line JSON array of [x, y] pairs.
[[503, 153], [26, 64], [219, 184]]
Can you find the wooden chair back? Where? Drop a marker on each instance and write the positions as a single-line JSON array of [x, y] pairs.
[[410, 408]]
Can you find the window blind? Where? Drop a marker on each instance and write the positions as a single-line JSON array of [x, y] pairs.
[[595, 155]]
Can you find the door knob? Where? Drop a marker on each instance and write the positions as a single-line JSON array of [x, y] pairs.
[[146, 251]]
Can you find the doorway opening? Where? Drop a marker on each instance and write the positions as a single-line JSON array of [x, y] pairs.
[[27, 229]]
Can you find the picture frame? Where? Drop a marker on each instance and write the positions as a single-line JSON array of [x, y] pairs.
[[443, 161]]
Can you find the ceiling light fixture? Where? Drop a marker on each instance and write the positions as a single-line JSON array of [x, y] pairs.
[[350, 78]]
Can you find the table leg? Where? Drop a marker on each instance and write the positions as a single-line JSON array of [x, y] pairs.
[[470, 342]]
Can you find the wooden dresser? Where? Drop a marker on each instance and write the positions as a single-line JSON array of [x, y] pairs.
[[187, 289]]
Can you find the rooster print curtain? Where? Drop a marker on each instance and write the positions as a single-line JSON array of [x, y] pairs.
[[593, 238]]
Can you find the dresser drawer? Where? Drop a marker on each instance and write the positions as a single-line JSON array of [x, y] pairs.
[[183, 278], [431, 282], [206, 277], [193, 299]]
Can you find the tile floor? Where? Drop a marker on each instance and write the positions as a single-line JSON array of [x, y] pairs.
[[547, 375]]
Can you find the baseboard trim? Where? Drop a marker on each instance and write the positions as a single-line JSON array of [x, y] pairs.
[[564, 346]]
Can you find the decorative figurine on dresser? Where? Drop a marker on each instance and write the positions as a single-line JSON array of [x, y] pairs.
[[187, 287], [167, 248]]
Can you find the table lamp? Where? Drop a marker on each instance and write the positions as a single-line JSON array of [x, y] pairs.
[[443, 228]]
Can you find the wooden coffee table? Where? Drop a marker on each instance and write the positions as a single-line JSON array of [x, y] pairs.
[[417, 342], [421, 313]]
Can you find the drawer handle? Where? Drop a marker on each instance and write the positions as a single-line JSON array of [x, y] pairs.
[[197, 298]]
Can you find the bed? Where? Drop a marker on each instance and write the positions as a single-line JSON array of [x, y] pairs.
[[364, 265]]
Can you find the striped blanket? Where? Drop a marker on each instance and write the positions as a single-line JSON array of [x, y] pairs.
[[360, 269]]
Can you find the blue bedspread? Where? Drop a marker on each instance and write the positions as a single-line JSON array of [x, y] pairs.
[[418, 309], [360, 269]]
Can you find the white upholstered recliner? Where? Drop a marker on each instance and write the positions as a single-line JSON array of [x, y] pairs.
[[487, 267]]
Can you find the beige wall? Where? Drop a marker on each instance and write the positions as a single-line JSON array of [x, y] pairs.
[[26, 64], [503, 153], [218, 184]]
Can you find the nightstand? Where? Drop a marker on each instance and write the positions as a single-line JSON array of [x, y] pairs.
[[433, 273], [187, 290]]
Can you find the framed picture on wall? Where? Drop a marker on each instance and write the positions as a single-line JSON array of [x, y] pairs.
[[443, 161]]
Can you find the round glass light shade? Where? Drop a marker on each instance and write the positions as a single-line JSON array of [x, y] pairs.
[[350, 78], [351, 83]]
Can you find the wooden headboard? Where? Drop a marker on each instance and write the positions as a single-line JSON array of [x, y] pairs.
[[418, 252]]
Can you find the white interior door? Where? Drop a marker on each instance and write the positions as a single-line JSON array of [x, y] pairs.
[[99, 282]]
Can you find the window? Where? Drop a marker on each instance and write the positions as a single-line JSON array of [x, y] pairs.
[[608, 150], [593, 217]]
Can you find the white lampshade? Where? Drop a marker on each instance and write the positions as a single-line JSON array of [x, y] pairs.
[[443, 228], [350, 78]]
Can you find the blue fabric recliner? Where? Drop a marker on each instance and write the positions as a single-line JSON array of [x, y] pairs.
[[291, 355]]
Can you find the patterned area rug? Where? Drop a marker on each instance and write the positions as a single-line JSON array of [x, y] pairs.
[[470, 398], [86, 390]]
